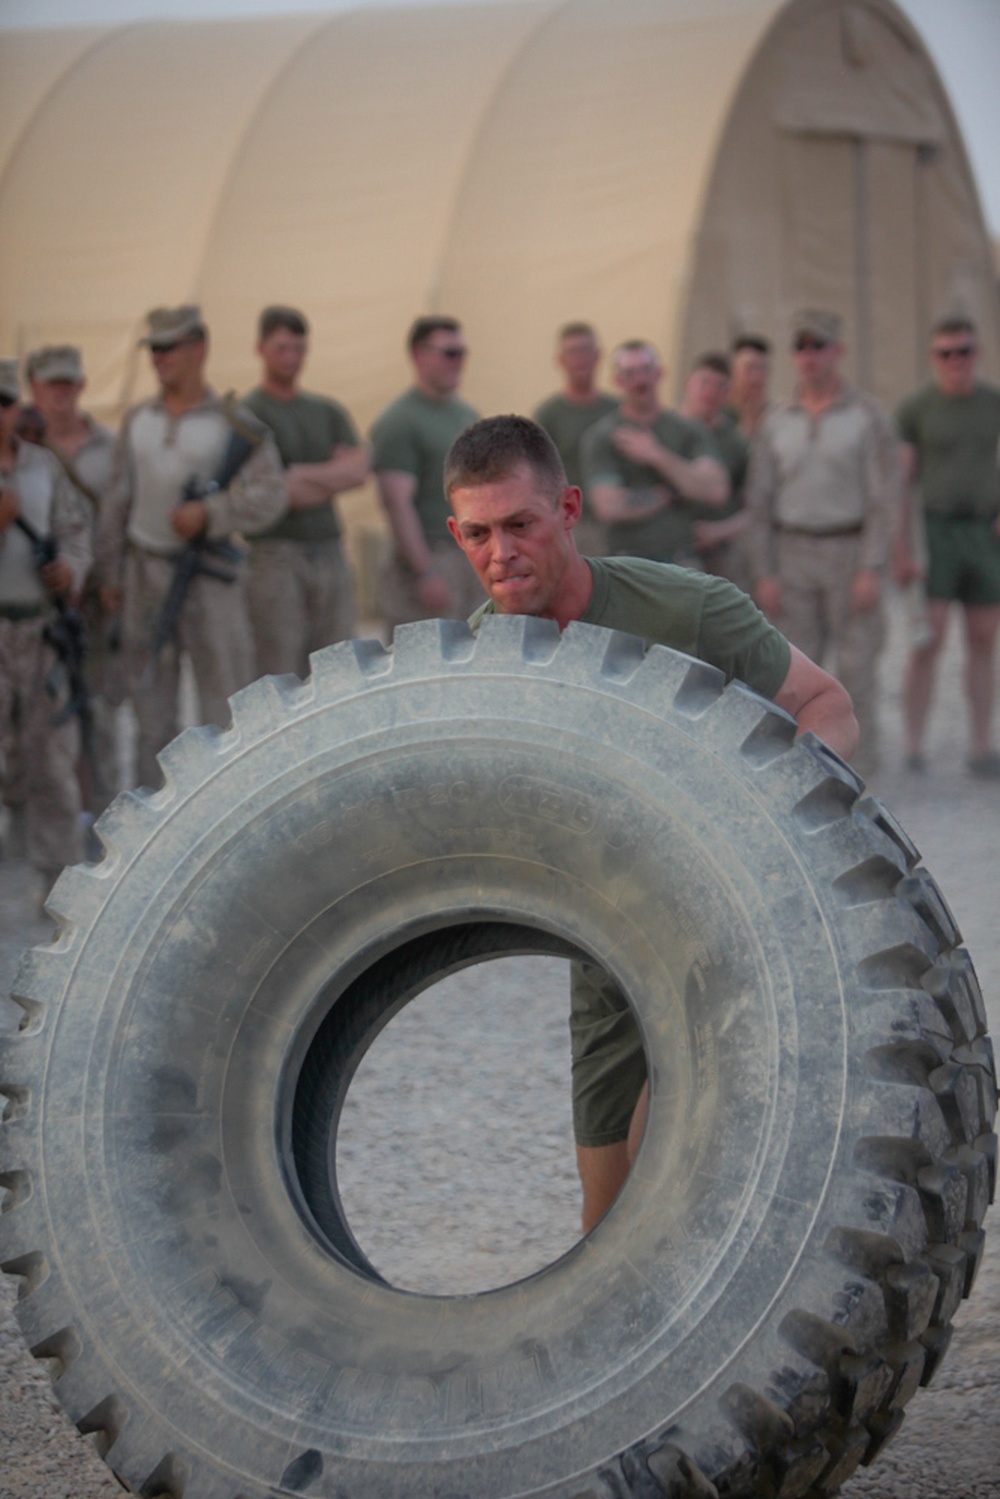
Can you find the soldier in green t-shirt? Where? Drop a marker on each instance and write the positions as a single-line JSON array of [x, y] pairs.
[[567, 415], [951, 435], [513, 515], [423, 576], [647, 468], [300, 586], [719, 529]]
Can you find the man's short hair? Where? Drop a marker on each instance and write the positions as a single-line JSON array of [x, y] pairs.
[[575, 330], [635, 346], [956, 322], [289, 318], [712, 361], [490, 450], [424, 327], [755, 341]]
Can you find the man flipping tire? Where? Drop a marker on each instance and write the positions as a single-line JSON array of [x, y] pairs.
[[514, 514]]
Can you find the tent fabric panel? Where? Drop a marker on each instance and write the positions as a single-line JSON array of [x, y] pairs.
[[584, 193], [165, 103], [362, 179], [897, 329], [31, 66], [766, 181], [959, 275], [817, 209], [847, 71]]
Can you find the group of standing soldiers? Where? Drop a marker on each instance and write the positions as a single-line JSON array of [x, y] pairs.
[[209, 527]]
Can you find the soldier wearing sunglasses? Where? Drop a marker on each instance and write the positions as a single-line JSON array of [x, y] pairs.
[[951, 431], [425, 576]]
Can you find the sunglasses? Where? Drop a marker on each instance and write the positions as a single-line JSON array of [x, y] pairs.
[[452, 351], [6, 402], [961, 351], [175, 343], [808, 345]]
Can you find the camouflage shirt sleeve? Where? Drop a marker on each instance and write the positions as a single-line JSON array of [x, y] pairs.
[[255, 499]]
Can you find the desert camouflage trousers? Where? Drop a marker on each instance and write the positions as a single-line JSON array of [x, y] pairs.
[[399, 601], [816, 614], [301, 598], [213, 629], [39, 756]]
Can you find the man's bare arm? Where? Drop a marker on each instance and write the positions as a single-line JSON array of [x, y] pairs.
[[612, 503], [311, 484], [396, 491], [703, 479], [819, 703], [906, 564]]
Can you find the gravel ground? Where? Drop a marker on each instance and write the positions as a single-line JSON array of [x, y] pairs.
[[449, 1187]]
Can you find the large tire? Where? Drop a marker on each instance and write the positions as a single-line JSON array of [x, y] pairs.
[[777, 1276]]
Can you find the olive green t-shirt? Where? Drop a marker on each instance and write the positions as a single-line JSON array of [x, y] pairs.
[[566, 421], [306, 430], [956, 439], [701, 615], [733, 452], [413, 435], [667, 535]]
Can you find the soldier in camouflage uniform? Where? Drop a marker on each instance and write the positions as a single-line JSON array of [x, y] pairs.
[[32, 689], [85, 448], [177, 442]]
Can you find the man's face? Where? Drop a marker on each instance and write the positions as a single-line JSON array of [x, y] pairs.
[[176, 364], [56, 399], [637, 374], [750, 372], [953, 360], [517, 538], [440, 360], [817, 360], [707, 390], [579, 357], [283, 353]]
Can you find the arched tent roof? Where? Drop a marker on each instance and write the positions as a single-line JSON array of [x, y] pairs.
[[674, 169]]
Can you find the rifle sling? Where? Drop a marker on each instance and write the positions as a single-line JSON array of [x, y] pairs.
[[230, 410], [74, 478]]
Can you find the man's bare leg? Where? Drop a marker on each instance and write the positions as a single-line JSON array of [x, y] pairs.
[[981, 622], [918, 683], [604, 1168]]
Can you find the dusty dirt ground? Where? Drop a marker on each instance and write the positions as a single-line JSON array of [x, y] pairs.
[[466, 1198]]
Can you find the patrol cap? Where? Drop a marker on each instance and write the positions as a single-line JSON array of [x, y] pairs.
[[10, 384], [815, 323], [55, 362], [169, 325]]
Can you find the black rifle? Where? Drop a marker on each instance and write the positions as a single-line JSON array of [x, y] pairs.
[[67, 635], [212, 559]]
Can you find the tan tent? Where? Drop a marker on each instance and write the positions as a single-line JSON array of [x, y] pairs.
[[675, 169]]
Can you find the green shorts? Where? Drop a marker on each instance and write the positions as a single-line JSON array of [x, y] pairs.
[[964, 560], [609, 1064]]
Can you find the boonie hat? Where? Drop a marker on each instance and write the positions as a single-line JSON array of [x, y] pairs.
[[10, 384], [55, 362], [168, 325], [817, 324]]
